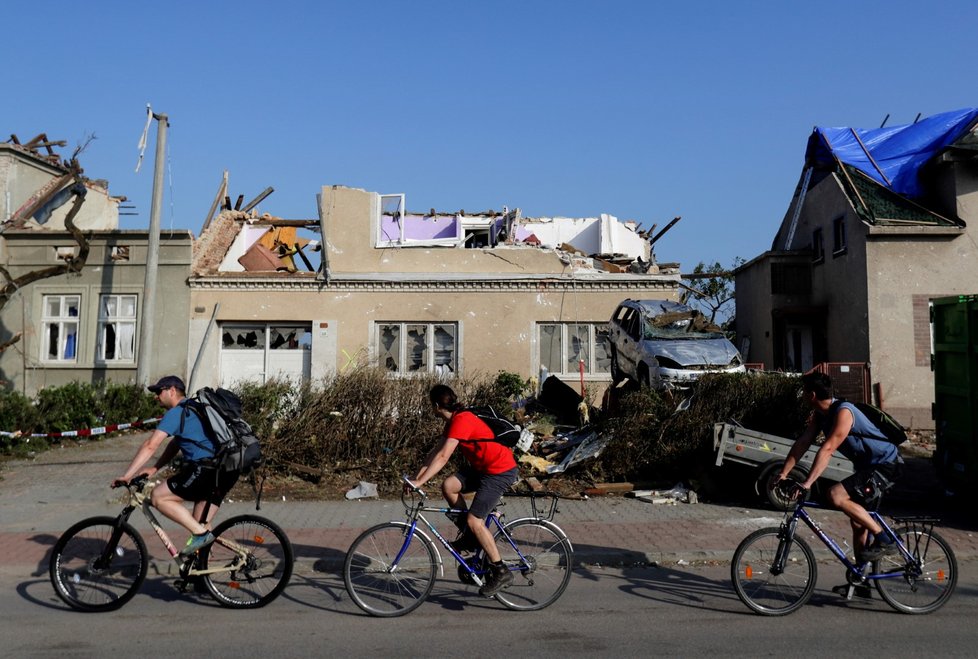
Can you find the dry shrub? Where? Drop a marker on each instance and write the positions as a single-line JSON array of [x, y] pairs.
[[661, 436], [362, 420]]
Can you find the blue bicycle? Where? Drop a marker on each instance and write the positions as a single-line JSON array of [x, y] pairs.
[[390, 569], [774, 571]]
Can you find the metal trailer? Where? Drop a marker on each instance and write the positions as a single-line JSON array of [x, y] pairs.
[[767, 453]]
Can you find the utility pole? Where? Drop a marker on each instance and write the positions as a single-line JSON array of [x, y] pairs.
[[146, 355]]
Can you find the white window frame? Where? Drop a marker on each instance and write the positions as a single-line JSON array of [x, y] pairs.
[[104, 320], [567, 329], [400, 358], [60, 321]]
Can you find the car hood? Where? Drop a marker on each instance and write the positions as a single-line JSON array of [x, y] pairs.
[[693, 352]]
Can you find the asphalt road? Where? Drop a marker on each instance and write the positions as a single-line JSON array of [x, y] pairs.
[[605, 612]]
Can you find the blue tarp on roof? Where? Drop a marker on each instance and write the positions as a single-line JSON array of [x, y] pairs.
[[891, 155]]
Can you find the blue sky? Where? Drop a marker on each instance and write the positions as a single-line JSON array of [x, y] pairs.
[[644, 110]]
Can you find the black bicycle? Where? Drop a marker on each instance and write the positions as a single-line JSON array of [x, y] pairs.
[[774, 570]]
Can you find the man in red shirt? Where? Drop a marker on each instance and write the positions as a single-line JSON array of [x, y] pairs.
[[491, 470]]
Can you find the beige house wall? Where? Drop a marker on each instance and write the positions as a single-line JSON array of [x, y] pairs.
[[495, 296], [497, 323]]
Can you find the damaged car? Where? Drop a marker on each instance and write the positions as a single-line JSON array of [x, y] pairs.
[[665, 345]]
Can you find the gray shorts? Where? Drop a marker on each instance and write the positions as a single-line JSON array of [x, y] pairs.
[[488, 488]]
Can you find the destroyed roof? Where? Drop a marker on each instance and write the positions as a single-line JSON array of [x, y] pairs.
[[892, 156]]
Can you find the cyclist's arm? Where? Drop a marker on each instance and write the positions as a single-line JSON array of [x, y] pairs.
[[145, 452], [843, 424], [436, 459], [798, 449]]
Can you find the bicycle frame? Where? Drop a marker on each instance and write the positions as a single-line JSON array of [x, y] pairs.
[[415, 511], [789, 527], [139, 497]]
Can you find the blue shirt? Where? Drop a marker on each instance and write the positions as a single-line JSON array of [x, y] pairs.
[[861, 446], [193, 441]]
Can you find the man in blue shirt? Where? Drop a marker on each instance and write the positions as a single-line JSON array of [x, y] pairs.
[[875, 459], [197, 479]]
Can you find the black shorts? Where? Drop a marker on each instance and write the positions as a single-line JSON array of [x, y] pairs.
[[198, 482], [488, 488], [867, 486]]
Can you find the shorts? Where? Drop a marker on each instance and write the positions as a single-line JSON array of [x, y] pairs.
[[867, 486], [488, 488], [199, 482]]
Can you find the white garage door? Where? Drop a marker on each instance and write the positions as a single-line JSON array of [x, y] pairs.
[[261, 352]]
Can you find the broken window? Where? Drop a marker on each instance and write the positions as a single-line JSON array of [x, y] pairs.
[[566, 347], [59, 328], [406, 348], [117, 328], [243, 338], [264, 351], [120, 253]]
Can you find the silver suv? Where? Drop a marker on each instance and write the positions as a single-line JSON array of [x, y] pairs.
[[665, 344]]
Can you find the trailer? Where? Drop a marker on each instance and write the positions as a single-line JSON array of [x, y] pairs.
[[767, 453]]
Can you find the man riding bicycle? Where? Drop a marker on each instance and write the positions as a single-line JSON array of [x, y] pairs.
[[198, 480], [491, 471], [877, 462]]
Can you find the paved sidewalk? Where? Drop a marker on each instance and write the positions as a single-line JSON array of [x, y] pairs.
[[41, 498]]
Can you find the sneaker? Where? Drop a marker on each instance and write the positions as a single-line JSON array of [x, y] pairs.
[[498, 577], [196, 543], [466, 541], [859, 590], [880, 548]]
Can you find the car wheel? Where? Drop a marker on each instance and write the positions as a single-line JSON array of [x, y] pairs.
[[644, 379], [616, 374]]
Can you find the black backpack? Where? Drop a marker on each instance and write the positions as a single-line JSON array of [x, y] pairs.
[[890, 427], [506, 432], [236, 448]]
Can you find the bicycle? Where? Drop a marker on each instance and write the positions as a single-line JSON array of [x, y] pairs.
[[774, 571], [99, 563], [390, 569]]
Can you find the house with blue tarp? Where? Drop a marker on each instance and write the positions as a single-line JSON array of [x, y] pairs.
[[877, 227]]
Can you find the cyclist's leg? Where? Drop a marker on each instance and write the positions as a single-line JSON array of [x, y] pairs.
[[847, 497], [487, 495], [205, 509], [169, 497]]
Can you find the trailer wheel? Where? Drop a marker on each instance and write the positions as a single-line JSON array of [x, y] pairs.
[[769, 472]]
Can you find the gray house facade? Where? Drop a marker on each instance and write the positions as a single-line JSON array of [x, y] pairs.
[[869, 238]]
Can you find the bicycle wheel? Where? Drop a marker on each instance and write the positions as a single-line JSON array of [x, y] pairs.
[[759, 587], [266, 569], [378, 585], [88, 574], [543, 571], [925, 585]]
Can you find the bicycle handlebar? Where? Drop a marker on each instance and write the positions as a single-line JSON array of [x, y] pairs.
[[791, 489]]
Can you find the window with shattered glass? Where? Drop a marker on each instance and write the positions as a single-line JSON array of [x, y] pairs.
[[59, 327], [565, 347], [407, 348], [117, 328], [243, 338]]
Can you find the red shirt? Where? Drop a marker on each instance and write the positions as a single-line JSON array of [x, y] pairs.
[[486, 457]]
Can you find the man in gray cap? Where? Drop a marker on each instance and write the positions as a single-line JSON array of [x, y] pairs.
[[197, 480]]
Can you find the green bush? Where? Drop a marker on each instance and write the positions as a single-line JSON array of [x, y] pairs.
[[68, 407]]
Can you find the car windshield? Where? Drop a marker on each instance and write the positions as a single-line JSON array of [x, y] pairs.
[[662, 328]]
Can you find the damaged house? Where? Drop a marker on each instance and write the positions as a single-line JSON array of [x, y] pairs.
[[370, 283], [881, 222], [70, 307]]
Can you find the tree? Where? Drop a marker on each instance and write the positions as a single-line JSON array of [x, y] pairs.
[[710, 289]]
